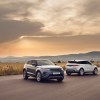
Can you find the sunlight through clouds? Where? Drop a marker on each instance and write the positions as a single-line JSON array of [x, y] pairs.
[[49, 27]]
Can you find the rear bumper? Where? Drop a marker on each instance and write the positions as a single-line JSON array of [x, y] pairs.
[[72, 71]]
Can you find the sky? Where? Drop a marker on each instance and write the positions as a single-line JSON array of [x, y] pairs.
[[49, 27]]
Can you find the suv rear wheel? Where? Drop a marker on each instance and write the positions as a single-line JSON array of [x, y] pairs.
[[81, 72], [25, 76], [95, 71]]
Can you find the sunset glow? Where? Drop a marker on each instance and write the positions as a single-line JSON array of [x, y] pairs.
[[49, 27]]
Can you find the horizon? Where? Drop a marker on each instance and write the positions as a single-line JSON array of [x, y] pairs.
[[27, 28], [52, 55]]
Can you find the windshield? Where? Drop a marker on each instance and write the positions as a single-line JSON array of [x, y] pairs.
[[44, 62]]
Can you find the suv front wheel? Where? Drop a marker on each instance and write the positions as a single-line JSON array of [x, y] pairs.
[[25, 76], [38, 76], [95, 71]]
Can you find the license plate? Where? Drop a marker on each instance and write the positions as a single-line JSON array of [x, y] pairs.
[[55, 73]]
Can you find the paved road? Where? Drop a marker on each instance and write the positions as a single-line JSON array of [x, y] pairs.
[[72, 88]]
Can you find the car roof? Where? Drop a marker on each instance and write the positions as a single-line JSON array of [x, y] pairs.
[[37, 59], [78, 60]]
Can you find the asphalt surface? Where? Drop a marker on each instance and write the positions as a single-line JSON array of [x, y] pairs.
[[72, 88]]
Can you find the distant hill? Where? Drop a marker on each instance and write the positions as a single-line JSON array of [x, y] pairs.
[[95, 55]]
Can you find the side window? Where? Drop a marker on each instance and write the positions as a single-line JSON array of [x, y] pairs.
[[32, 62], [89, 63]]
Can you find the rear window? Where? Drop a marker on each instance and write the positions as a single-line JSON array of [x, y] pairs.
[[79, 62], [72, 62]]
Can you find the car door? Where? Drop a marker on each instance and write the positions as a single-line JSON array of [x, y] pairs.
[[90, 67], [28, 67], [87, 67], [84, 65], [32, 67]]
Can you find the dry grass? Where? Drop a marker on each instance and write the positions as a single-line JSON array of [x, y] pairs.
[[97, 63], [17, 68], [11, 68], [61, 64]]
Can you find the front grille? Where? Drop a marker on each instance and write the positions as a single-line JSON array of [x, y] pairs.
[[55, 70]]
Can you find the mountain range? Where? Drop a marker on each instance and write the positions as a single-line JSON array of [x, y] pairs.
[[94, 55]]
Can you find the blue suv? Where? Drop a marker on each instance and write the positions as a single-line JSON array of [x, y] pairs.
[[42, 69]]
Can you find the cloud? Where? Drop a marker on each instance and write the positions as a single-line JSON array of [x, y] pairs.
[[56, 16], [48, 18], [67, 16], [89, 16], [11, 29], [60, 20], [14, 21], [91, 9], [15, 9]]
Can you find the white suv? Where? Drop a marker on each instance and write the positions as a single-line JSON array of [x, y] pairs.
[[81, 67]]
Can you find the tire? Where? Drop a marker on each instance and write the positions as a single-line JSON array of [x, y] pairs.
[[81, 72], [25, 76], [68, 73], [38, 77], [60, 79], [95, 71]]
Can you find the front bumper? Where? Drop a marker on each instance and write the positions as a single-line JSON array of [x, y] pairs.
[[55, 77], [50, 75]]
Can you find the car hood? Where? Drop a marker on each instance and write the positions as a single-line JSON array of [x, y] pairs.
[[49, 66]]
